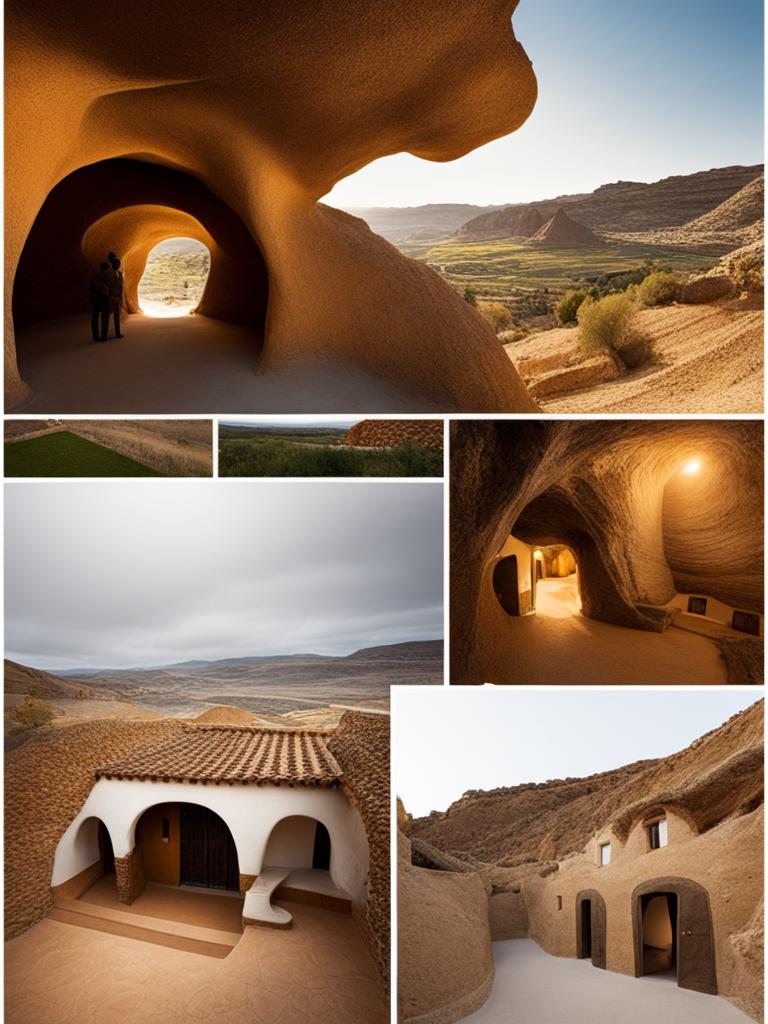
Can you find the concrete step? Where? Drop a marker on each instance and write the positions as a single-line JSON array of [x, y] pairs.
[[702, 625], [186, 937]]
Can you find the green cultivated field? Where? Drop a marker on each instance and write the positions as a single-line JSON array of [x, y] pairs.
[[504, 270], [64, 454], [303, 452]]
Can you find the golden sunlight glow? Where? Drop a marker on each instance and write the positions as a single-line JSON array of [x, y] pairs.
[[692, 467], [149, 307]]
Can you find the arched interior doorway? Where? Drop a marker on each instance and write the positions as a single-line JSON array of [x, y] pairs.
[[186, 844], [506, 584], [591, 927], [672, 925], [174, 278], [299, 843]]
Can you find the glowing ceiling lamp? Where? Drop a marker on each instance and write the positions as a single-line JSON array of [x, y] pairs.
[[692, 467], [539, 555]]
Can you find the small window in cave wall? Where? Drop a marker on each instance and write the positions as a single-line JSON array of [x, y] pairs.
[[559, 902], [697, 605], [605, 854], [746, 622], [657, 834]]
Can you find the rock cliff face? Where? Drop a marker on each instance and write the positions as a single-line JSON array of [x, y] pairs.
[[616, 495], [627, 207], [512, 221], [266, 106], [718, 775], [390, 433]]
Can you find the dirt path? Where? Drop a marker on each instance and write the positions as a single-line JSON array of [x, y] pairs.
[[189, 364]]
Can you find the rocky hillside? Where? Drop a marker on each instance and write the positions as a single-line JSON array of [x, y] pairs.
[[511, 222], [546, 821], [562, 230], [390, 433], [629, 207], [36, 683]]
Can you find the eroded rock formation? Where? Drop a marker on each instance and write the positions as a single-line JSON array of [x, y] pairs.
[[614, 493], [390, 433], [564, 231], [264, 107], [537, 845]]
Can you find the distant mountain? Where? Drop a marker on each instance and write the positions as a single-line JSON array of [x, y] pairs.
[[415, 649], [622, 208]]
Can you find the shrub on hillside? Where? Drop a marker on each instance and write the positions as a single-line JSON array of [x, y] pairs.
[[30, 714], [748, 273], [470, 295], [568, 308], [497, 315], [701, 290], [658, 289], [605, 324]]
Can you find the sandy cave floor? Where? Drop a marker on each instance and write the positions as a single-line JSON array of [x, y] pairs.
[[188, 364], [559, 645], [532, 987], [317, 971]]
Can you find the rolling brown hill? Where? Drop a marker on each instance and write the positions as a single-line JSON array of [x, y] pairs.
[[546, 821], [36, 683], [562, 230]]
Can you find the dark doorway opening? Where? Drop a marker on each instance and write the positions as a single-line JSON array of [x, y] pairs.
[[321, 856], [208, 853], [586, 929], [106, 852], [659, 916], [506, 586]]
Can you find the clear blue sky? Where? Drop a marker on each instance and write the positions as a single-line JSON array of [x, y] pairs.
[[634, 91], [451, 739]]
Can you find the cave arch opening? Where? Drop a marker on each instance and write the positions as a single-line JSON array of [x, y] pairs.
[[174, 278], [128, 207]]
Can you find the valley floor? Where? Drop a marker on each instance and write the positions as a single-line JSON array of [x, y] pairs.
[[532, 987]]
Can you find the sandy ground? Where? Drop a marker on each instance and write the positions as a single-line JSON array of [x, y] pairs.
[[708, 359], [206, 909], [189, 364], [317, 971], [532, 987], [558, 644]]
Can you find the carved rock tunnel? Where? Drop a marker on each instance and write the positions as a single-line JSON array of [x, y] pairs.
[[619, 495], [129, 207]]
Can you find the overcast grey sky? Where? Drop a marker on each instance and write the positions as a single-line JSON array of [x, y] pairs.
[[124, 573], [446, 741]]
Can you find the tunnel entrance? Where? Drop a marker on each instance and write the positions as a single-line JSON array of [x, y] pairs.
[[506, 584], [659, 912], [590, 927], [174, 278]]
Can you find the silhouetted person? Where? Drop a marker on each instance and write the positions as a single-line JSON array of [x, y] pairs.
[[115, 281], [100, 303]]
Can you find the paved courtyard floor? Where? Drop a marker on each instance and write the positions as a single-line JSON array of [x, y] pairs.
[[319, 971], [532, 987]]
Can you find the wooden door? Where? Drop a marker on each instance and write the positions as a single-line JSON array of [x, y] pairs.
[[208, 854]]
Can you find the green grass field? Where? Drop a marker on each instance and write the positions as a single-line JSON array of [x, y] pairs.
[[269, 456], [504, 269], [65, 454], [306, 435]]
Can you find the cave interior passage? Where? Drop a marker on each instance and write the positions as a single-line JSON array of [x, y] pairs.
[[659, 918]]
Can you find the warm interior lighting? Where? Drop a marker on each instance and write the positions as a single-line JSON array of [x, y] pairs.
[[538, 555], [691, 467]]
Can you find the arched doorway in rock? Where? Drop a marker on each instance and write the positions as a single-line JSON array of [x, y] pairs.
[[506, 584], [187, 844], [174, 278], [591, 927], [672, 928]]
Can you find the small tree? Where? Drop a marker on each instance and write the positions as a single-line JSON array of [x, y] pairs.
[[470, 295], [658, 289], [497, 315], [568, 308], [30, 714], [605, 324]]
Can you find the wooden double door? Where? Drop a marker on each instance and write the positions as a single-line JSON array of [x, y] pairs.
[[208, 855]]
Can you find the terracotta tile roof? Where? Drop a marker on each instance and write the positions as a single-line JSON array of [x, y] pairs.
[[234, 754]]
